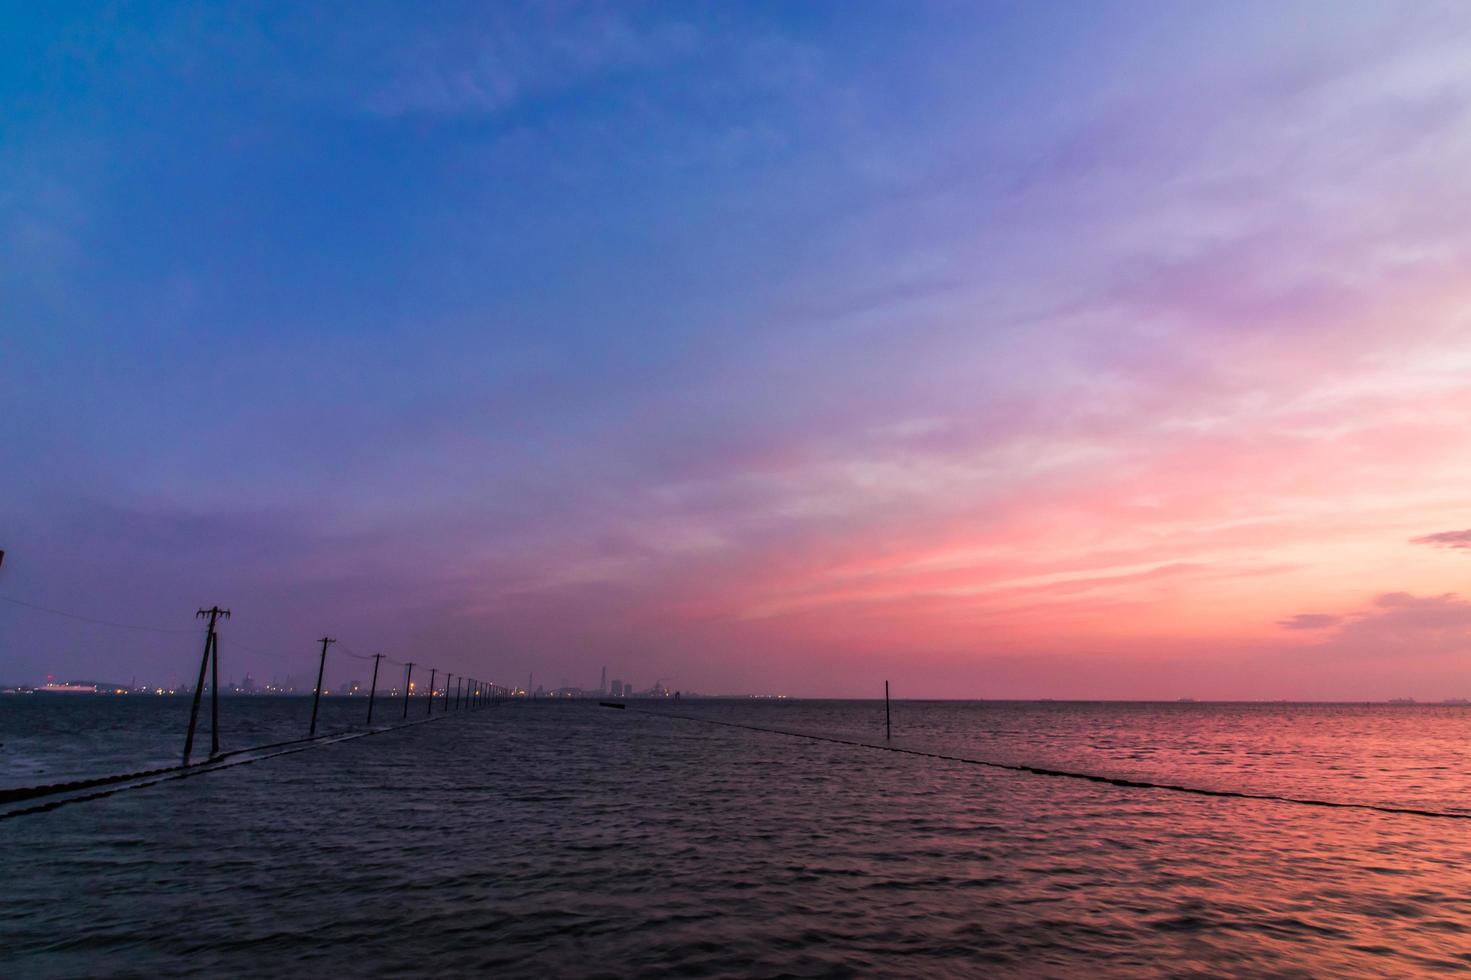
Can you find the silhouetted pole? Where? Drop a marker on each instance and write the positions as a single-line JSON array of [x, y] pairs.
[[408, 675], [457, 693], [213, 613], [886, 711], [198, 693], [432, 672], [317, 698], [446, 692], [373, 691], [214, 698]]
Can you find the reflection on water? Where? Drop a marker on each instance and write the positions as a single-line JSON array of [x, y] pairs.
[[566, 839]]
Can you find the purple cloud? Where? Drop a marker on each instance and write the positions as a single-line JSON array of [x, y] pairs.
[[1309, 621], [1445, 539], [1403, 624]]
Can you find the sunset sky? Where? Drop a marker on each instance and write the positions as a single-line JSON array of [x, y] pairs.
[[998, 350]]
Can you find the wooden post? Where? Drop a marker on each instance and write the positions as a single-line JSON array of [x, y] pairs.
[[408, 679], [886, 711], [317, 698], [432, 672], [446, 692], [214, 696], [373, 691], [214, 613]]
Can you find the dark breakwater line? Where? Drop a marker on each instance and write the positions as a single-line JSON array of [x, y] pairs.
[[21, 793], [151, 777], [1085, 776]]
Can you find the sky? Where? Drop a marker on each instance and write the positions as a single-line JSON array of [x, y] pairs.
[[997, 350]]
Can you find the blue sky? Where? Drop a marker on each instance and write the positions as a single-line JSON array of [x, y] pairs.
[[694, 338]]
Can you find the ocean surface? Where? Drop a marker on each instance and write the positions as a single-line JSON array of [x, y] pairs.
[[564, 839]]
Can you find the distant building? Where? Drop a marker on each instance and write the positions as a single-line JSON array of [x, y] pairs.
[[617, 689]]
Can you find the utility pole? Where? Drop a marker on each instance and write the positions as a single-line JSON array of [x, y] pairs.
[[432, 672], [317, 698], [446, 693], [408, 676], [886, 711], [373, 691], [214, 694], [211, 648]]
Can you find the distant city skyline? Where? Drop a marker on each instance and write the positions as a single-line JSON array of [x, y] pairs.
[[995, 350]]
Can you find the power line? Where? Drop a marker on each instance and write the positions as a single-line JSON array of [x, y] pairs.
[[96, 622]]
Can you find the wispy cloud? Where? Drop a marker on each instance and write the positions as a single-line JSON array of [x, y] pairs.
[[1445, 539], [1398, 626], [491, 63], [1310, 621]]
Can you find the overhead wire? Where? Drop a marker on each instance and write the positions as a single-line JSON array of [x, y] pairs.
[[93, 620]]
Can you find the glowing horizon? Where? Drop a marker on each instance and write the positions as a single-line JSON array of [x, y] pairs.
[[1046, 352]]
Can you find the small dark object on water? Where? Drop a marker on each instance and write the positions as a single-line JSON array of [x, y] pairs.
[[610, 704]]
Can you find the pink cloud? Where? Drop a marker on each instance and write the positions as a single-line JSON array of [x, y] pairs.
[[1445, 539], [1310, 621], [1398, 625]]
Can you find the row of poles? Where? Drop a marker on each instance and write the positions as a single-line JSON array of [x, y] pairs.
[[474, 693]]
